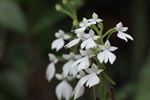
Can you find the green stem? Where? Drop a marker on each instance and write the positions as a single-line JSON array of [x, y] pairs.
[[108, 78], [102, 94], [108, 32], [99, 33], [94, 94]]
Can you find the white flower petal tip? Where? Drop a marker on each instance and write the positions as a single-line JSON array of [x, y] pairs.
[[121, 34], [64, 90], [50, 71], [58, 44], [124, 36]]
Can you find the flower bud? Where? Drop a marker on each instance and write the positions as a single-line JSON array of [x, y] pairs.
[[65, 1], [58, 7]]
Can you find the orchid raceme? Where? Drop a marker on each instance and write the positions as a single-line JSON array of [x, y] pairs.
[[89, 51]]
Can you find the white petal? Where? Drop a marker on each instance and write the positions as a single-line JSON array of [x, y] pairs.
[[84, 63], [63, 90], [72, 43], [81, 63], [59, 76], [94, 16], [66, 56], [78, 91], [99, 71], [73, 71], [119, 26], [50, 71], [112, 48], [93, 80], [83, 80], [101, 57], [66, 68], [52, 58], [99, 20], [124, 29], [58, 44], [77, 57], [66, 37], [106, 53], [79, 30], [107, 44], [96, 37], [129, 36], [101, 47], [89, 43], [122, 36], [112, 57]]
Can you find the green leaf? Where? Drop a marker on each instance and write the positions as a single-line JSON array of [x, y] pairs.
[[11, 16]]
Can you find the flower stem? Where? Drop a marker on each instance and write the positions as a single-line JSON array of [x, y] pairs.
[[109, 79], [108, 32], [94, 93], [102, 94]]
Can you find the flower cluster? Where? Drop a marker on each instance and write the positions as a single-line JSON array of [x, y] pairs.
[[88, 55]]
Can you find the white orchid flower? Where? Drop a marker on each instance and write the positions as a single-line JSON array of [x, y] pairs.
[[80, 36], [89, 42], [84, 62], [87, 52], [121, 34], [67, 69], [81, 63], [83, 25], [59, 42], [63, 89], [90, 80], [106, 54], [95, 19], [50, 71]]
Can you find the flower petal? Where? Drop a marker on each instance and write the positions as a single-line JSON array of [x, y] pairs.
[[72, 43], [122, 36], [50, 71], [58, 44], [78, 91], [66, 68], [64, 90], [112, 48], [66, 37], [101, 57], [93, 80], [89, 43], [112, 57]]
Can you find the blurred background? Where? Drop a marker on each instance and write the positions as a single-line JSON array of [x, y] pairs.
[[27, 29]]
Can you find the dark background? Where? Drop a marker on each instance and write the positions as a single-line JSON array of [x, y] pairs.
[[27, 29]]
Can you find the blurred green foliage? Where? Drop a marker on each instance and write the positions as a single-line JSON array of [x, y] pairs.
[[23, 56]]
